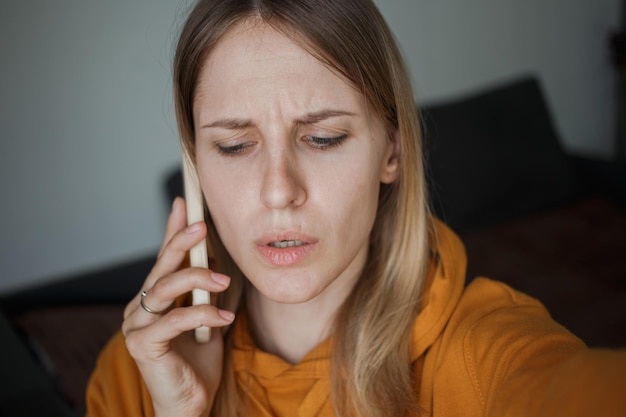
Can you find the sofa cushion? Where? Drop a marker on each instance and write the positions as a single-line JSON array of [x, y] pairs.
[[67, 342], [494, 156], [25, 389]]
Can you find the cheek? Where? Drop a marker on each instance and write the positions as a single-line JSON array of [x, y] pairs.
[[352, 201], [226, 197]]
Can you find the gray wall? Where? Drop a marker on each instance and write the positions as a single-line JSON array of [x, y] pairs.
[[87, 132]]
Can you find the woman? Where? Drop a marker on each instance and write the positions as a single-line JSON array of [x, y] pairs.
[[336, 293]]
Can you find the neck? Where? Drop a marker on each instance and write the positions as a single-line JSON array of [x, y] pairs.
[[291, 331]]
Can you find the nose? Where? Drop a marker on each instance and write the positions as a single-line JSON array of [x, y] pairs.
[[282, 185]]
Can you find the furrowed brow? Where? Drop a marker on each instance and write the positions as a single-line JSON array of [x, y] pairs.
[[307, 119], [316, 117], [232, 124]]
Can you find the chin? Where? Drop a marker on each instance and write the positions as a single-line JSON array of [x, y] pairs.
[[286, 291], [292, 297]]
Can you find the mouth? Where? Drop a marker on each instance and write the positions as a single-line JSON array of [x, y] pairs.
[[286, 249], [282, 244]]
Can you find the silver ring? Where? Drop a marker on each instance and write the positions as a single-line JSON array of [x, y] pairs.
[[145, 307]]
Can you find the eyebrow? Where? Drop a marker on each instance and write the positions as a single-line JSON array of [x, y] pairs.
[[311, 118], [307, 119], [232, 124]]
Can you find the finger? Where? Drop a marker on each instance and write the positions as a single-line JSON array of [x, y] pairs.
[[172, 257], [151, 342], [176, 221], [166, 290], [175, 251]]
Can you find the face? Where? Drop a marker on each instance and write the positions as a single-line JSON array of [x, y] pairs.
[[290, 160]]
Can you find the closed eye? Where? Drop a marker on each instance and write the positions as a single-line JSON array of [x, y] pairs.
[[233, 150], [322, 143]]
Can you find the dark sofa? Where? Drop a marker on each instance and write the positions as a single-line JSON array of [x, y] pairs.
[[548, 223]]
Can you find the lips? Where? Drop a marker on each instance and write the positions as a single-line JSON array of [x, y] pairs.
[[286, 249]]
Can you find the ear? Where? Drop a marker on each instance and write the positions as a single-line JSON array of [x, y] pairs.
[[390, 169]]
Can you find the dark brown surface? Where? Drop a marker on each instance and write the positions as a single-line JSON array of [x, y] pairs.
[[573, 259], [67, 341]]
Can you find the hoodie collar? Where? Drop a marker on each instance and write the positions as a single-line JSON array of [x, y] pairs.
[[442, 289]]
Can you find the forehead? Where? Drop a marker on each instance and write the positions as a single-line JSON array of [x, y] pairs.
[[253, 58]]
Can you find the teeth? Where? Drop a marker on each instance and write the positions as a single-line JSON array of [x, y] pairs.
[[286, 243]]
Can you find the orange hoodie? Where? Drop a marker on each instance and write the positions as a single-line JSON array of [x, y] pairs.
[[484, 350]]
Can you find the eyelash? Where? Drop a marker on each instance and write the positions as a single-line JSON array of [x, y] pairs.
[[317, 142], [233, 150], [325, 142]]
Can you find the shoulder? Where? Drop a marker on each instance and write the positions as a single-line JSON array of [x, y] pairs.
[[502, 351], [115, 386], [496, 329], [490, 312]]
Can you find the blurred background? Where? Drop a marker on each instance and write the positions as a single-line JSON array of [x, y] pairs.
[[87, 133]]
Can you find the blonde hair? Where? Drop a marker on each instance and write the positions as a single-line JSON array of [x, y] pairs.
[[372, 374]]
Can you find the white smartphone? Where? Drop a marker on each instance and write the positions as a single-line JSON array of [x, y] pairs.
[[198, 255]]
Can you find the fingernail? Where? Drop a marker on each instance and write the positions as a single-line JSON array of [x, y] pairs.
[[193, 228], [220, 279], [227, 315]]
